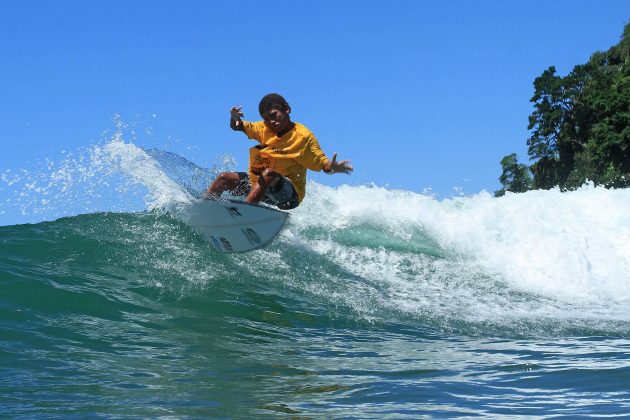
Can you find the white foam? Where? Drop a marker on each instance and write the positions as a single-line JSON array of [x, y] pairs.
[[572, 248], [573, 244]]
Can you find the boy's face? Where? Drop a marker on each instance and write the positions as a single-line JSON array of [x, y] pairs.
[[277, 120]]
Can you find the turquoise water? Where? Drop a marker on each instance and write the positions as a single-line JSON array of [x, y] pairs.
[[372, 303]]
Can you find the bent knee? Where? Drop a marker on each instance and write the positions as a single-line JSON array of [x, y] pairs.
[[270, 174], [228, 176]]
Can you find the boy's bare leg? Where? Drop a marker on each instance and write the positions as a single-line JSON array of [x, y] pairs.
[[264, 182], [226, 181]]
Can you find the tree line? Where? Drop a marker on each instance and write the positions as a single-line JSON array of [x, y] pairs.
[[580, 127]]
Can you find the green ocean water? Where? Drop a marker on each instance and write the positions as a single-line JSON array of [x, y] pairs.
[[134, 315], [372, 303]]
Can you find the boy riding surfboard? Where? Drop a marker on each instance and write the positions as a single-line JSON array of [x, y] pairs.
[[278, 164]]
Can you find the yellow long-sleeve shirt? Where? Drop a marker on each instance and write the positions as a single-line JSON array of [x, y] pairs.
[[289, 155]]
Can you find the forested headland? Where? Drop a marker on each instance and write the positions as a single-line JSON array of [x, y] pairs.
[[580, 126]]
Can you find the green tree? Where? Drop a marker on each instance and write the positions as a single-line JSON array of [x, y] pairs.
[[558, 133], [608, 147], [515, 176], [580, 126]]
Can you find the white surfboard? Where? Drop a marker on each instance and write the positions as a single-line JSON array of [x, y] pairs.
[[235, 226]]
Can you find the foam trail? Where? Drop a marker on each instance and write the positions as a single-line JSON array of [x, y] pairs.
[[115, 176], [136, 164]]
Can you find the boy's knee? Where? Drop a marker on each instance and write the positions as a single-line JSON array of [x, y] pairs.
[[270, 175], [227, 176]]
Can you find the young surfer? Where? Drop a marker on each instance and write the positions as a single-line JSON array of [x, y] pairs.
[[278, 164]]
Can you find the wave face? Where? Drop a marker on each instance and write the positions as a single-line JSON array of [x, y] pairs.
[[371, 303]]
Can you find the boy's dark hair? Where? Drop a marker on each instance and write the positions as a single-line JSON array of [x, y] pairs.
[[271, 101]]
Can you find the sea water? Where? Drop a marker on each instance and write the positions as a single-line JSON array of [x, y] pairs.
[[372, 303]]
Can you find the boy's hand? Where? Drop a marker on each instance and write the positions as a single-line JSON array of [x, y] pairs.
[[341, 167], [236, 113]]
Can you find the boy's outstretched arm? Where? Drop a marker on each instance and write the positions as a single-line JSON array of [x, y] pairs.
[[333, 167], [236, 113]]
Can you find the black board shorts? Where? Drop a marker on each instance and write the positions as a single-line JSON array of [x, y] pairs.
[[281, 195]]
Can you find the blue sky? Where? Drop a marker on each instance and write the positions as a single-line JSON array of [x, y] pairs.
[[417, 93]]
